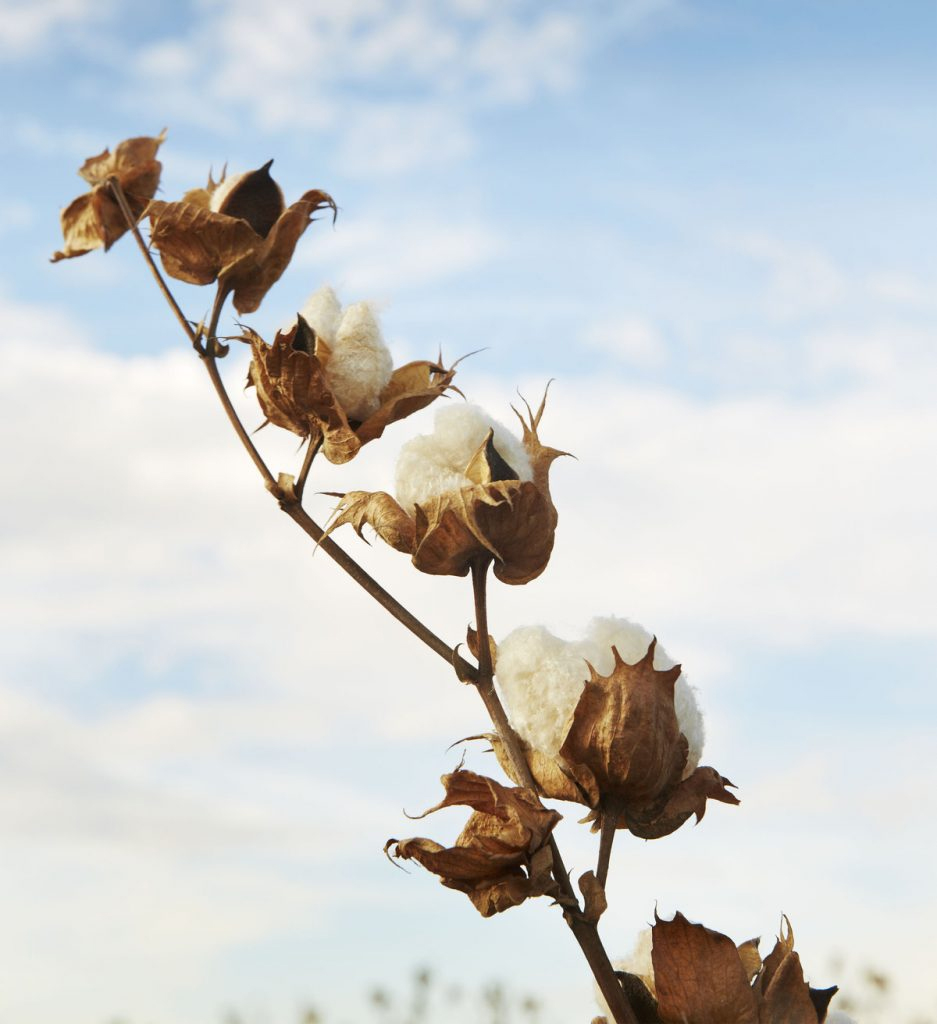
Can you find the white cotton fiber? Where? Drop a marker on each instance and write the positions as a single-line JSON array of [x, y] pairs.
[[360, 365], [434, 464], [322, 312], [541, 679], [838, 1017]]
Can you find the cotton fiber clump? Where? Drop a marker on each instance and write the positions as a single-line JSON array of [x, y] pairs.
[[541, 678], [434, 464], [838, 1017], [359, 366]]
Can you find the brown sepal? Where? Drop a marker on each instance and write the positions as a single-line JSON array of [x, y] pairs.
[[699, 976], [624, 731], [199, 246], [291, 378], [378, 510], [471, 638], [501, 857], [782, 994], [687, 798], [94, 220], [593, 897], [554, 780]]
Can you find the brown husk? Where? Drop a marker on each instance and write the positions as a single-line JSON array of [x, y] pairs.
[[701, 977], [199, 245], [94, 220], [291, 379], [502, 856]]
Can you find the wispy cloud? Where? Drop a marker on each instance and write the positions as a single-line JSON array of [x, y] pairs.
[[29, 25]]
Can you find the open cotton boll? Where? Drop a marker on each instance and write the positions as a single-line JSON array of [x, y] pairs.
[[541, 678], [360, 365], [434, 464]]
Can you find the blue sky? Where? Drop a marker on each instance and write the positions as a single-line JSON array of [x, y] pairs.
[[713, 224]]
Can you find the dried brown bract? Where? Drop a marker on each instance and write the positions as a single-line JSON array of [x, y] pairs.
[[702, 977], [291, 377], [238, 232], [497, 515], [94, 220], [502, 856], [624, 754]]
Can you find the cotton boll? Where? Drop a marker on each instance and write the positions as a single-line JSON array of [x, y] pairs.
[[434, 464], [360, 365], [542, 677]]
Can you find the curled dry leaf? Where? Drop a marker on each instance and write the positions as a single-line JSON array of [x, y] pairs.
[[502, 856], [624, 754], [701, 977], [94, 220], [244, 241], [497, 515], [291, 378]]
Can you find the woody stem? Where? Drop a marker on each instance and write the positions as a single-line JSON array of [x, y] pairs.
[[585, 932]]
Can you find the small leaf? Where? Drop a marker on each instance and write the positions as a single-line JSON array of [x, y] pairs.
[[593, 895]]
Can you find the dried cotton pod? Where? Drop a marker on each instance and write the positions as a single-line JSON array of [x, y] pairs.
[[466, 493], [341, 390], [94, 220], [502, 856], [623, 741], [238, 232]]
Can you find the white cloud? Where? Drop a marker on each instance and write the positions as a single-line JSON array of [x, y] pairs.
[[396, 84], [629, 339], [27, 25], [381, 255]]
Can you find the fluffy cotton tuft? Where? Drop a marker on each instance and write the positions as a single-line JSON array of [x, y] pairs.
[[322, 312], [360, 365], [434, 464], [838, 1017], [541, 678]]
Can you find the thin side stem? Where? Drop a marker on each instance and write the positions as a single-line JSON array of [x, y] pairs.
[[121, 200], [312, 449], [611, 812], [585, 932]]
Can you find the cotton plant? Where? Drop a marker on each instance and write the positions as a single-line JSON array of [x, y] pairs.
[[607, 720]]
